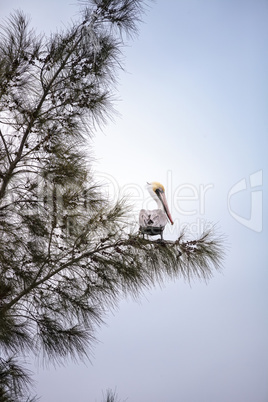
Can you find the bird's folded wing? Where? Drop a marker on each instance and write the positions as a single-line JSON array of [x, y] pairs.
[[156, 218]]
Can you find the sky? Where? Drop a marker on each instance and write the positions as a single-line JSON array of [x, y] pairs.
[[192, 114]]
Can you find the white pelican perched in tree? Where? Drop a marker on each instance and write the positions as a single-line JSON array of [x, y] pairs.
[[153, 222]]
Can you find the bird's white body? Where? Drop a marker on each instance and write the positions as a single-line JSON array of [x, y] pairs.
[[156, 217], [153, 222]]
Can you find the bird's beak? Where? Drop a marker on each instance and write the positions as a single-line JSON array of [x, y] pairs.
[[162, 197]]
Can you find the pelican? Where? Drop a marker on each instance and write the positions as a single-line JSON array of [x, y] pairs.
[[153, 222]]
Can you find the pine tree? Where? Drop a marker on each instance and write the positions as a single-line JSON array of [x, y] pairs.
[[66, 253]]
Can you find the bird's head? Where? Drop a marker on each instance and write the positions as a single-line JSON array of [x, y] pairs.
[[157, 191]]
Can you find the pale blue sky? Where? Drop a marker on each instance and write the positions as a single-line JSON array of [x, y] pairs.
[[193, 115]]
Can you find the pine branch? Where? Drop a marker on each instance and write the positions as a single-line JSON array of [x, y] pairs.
[[189, 259], [14, 381], [5, 146]]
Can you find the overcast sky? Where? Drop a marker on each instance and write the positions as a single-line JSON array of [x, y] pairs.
[[193, 115]]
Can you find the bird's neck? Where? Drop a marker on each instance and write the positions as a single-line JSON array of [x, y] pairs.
[[154, 197], [159, 203]]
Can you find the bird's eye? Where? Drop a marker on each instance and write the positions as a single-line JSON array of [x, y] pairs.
[[158, 191]]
